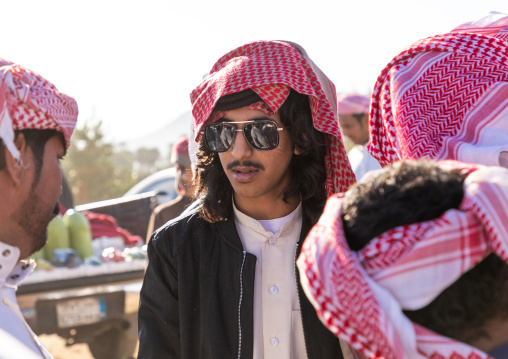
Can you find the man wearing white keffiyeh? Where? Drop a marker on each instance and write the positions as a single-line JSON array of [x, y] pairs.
[[407, 285], [36, 124], [445, 97]]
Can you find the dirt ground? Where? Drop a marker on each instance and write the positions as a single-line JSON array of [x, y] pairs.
[[59, 350]]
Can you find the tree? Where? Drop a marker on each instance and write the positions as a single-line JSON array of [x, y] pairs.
[[90, 167], [146, 158]]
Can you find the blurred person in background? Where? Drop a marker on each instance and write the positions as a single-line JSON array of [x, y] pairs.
[[36, 124], [184, 187], [354, 122], [221, 280], [412, 263]]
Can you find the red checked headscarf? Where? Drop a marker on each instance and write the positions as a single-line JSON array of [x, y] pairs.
[[360, 295], [28, 101], [445, 97], [271, 68], [180, 152]]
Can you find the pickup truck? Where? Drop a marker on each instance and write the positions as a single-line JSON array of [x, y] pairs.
[[96, 305]]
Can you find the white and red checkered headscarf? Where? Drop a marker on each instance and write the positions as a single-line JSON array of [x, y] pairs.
[[445, 97], [360, 296], [28, 101], [271, 68]]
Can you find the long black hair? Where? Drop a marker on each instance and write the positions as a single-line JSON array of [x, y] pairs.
[[308, 171]]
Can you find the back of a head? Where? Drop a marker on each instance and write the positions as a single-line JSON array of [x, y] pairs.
[[416, 191], [404, 193]]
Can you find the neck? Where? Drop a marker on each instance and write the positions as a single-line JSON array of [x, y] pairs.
[[496, 335], [264, 210]]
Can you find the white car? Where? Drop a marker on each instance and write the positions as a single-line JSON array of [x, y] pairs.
[[161, 182]]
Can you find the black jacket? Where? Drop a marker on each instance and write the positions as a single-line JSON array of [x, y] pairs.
[[198, 295]]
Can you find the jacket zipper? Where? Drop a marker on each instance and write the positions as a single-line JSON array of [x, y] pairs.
[[299, 302], [240, 307]]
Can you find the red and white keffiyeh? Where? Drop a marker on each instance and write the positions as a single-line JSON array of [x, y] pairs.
[[445, 97], [270, 68], [28, 101], [360, 295]]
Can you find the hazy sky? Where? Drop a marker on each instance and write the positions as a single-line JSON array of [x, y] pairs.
[[132, 64]]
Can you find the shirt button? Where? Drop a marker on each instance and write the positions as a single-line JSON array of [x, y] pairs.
[[272, 241], [6, 253], [274, 290], [15, 276], [274, 341]]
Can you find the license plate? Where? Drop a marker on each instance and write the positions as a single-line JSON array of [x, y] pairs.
[[80, 311]]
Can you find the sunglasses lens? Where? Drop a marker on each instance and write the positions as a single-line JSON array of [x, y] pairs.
[[262, 136], [219, 136]]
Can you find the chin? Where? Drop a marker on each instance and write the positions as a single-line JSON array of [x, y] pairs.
[[39, 242]]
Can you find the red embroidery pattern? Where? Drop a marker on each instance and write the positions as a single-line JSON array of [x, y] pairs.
[[35, 103], [450, 74]]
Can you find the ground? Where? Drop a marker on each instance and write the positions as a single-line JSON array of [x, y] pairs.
[[56, 346]]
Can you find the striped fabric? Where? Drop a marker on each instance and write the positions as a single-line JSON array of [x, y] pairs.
[[360, 296], [445, 97], [261, 63], [28, 101]]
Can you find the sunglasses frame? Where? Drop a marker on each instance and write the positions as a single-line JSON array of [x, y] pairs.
[[245, 123]]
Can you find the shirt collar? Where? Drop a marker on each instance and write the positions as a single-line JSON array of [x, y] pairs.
[[12, 270], [256, 226]]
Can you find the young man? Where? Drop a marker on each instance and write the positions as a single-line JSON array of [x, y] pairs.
[[221, 281], [183, 184], [412, 263], [354, 122], [36, 123], [445, 97]]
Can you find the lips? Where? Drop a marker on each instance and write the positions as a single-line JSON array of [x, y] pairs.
[[244, 174]]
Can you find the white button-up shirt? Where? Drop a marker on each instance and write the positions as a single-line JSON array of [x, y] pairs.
[[278, 329], [17, 340]]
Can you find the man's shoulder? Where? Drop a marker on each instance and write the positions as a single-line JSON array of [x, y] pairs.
[[168, 211], [185, 222]]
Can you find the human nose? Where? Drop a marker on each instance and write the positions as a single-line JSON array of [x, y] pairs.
[[241, 148]]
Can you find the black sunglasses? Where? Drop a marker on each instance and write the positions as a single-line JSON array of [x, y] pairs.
[[261, 135]]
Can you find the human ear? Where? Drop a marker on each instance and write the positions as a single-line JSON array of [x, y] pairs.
[[297, 150], [13, 166]]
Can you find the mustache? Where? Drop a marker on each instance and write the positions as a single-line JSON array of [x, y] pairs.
[[251, 164]]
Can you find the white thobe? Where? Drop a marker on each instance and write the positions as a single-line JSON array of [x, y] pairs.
[[278, 330]]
